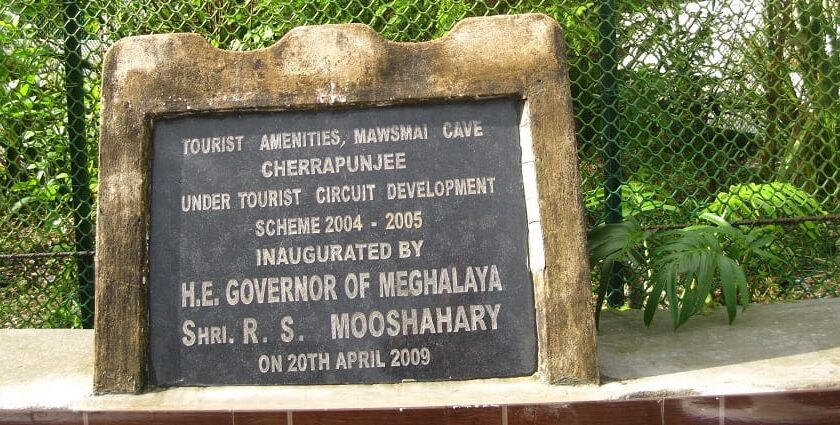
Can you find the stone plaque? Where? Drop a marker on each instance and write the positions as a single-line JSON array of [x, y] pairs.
[[340, 246], [338, 208]]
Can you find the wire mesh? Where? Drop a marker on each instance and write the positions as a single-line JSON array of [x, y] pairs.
[[728, 107]]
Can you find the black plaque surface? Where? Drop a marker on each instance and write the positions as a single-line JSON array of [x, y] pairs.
[[403, 256]]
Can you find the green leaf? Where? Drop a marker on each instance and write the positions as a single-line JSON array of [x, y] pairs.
[[268, 33], [705, 279], [714, 218], [689, 300], [21, 203], [727, 281], [673, 297], [655, 295], [741, 280], [617, 242], [767, 200], [603, 284]]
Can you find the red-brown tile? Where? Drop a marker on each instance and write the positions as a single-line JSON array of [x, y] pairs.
[[692, 411], [260, 418], [630, 412], [52, 417], [448, 416], [790, 408], [371, 417], [474, 416], [160, 418]]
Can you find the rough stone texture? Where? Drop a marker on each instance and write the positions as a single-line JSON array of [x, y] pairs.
[[148, 77]]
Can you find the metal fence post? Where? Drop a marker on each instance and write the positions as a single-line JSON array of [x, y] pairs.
[[612, 151], [81, 203]]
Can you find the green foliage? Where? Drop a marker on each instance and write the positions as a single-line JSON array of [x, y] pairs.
[[35, 161], [34, 149], [764, 200], [255, 24], [611, 244], [685, 266], [800, 51], [675, 105], [710, 96], [767, 200], [638, 199], [39, 293]]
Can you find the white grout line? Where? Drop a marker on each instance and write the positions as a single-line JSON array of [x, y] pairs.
[[662, 411]]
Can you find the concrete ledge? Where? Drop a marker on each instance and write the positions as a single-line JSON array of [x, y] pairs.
[[773, 348]]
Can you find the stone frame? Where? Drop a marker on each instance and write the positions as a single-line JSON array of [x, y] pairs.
[[153, 76]]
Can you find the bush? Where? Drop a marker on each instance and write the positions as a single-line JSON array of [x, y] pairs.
[[684, 266]]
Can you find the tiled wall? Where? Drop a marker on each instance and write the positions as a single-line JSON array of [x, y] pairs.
[[789, 408]]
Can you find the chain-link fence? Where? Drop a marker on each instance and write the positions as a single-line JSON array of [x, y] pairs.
[[682, 107]]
